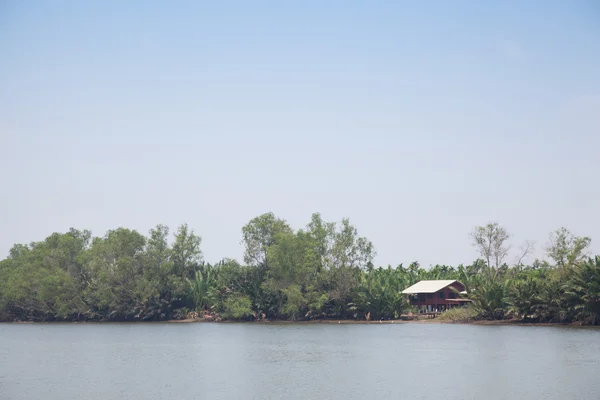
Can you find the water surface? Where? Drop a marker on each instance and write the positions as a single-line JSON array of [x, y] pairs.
[[297, 361]]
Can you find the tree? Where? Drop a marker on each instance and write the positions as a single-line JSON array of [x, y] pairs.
[[202, 292], [187, 255], [237, 306], [160, 289], [490, 240], [293, 272], [115, 266], [379, 293], [158, 251], [349, 250], [349, 254], [522, 297], [322, 271], [583, 291], [259, 234], [487, 295], [566, 249], [321, 233], [34, 287]]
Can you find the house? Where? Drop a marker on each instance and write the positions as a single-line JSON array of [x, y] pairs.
[[435, 296]]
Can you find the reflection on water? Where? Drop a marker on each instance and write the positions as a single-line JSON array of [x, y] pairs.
[[302, 361]]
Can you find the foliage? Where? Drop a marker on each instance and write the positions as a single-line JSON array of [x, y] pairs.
[[490, 241], [523, 297], [379, 294], [202, 289], [237, 306], [259, 234], [583, 291], [324, 270], [459, 314], [567, 250], [488, 293]]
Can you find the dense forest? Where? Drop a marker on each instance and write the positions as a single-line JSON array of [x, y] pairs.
[[323, 271]]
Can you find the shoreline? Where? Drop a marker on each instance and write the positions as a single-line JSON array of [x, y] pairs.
[[388, 322], [328, 322]]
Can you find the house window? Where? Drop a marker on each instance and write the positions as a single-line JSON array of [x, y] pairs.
[[430, 295], [441, 295]]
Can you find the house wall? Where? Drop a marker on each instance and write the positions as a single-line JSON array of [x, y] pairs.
[[424, 299]]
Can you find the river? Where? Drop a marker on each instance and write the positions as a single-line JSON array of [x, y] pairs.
[[297, 361]]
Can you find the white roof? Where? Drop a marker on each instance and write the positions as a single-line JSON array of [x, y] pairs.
[[427, 286]]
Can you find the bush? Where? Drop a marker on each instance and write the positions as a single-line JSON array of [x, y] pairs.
[[459, 314], [238, 307]]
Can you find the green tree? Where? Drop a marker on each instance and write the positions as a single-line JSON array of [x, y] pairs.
[[567, 250], [321, 233], [114, 264], [259, 234], [349, 254], [294, 272], [237, 306], [322, 271], [379, 294], [583, 291], [203, 289], [523, 298], [186, 253]]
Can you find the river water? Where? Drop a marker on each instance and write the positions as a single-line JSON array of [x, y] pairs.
[[297, 361]]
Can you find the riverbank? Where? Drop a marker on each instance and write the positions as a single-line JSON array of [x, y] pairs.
[[389, 322], [437, 320], [327, 322]]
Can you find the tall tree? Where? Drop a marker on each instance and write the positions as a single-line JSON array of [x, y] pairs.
[[323, 271], [321, 233], [293, 270], [158, 251], [567, 249], [115, 266], [186, 253], [349, 250], [259, 234], [491, 242], [349, 254]]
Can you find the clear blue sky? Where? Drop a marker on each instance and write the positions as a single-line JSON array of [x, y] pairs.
[[418, 120]]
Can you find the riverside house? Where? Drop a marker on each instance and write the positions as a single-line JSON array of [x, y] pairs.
[[436, 296]]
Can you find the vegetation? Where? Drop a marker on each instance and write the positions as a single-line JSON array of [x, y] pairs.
[[323, 271], [460, 315]]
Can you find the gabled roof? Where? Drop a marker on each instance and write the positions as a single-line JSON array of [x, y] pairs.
[[428, 286]]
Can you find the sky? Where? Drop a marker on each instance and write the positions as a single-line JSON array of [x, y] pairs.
[[416, 120]]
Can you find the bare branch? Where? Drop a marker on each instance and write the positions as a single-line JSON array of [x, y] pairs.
[[526, 249]]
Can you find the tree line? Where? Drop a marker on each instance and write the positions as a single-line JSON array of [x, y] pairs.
[[322, 271]]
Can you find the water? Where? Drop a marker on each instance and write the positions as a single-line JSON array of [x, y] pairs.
[[302, 361]]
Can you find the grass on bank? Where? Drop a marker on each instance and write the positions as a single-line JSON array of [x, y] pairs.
[[458, 314]]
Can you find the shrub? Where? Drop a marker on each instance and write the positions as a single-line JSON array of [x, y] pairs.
[[237, 307], [459, 314]]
